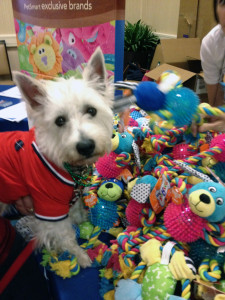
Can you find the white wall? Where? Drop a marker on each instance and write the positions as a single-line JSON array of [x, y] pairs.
[[161, 15], [7, 32]]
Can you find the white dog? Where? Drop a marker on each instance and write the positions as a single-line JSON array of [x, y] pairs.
[[73, 123]]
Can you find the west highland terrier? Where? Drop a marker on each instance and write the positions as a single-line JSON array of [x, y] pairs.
[[73, 122]]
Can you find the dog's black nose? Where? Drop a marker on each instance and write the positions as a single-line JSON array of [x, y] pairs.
[[109, 185], [204, 198], [86, 147]]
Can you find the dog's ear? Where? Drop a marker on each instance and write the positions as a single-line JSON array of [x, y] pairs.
[[31, 89], [95, 69]]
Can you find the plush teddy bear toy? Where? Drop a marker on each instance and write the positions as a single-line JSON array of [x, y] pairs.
[[112, 164], [205, 203], [104, 213], [207, 200]]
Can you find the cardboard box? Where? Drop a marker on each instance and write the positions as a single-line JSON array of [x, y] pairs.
[[206, 20], [200, 87], [189, 79], [177, 52], [202, 288], [183, 56], [188, 15], [196, 18]]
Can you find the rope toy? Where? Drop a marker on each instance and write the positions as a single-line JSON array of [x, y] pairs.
[[64, 265], [214, 274]]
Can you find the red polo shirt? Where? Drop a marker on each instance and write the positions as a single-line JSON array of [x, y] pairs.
[[25, 171]]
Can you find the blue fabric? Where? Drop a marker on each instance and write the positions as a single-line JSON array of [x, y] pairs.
[[83, 286]]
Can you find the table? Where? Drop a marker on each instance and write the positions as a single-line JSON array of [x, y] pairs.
[[8, 125]]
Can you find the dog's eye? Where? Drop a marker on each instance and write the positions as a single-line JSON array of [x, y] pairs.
[[92, 111], [212, 189], [219, 201], [60, 121]]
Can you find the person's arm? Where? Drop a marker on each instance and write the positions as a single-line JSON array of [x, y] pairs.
[[215, 94]]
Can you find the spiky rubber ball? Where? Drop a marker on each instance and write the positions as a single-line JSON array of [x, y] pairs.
[[181, 151], [182, 103], [183, 225], [219, 141], [107, 167], [133, 212]]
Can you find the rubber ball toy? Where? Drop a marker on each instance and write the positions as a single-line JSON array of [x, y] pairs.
[[182, 103], [219, 141]]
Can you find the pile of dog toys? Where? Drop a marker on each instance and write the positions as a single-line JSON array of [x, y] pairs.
[[160, 196]]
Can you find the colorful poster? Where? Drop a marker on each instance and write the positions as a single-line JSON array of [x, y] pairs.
[[56, 38]]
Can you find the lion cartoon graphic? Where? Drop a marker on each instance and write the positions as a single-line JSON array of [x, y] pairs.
[[45, 56]]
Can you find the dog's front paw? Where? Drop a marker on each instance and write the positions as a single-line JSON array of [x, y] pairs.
[[83, 259]]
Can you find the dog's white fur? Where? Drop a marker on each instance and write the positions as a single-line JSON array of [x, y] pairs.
[[46, 101]]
